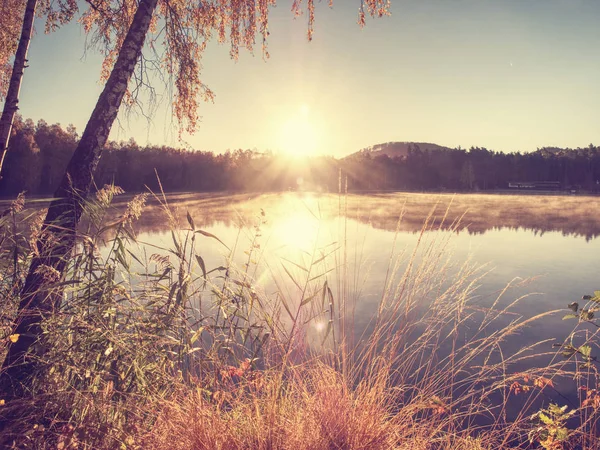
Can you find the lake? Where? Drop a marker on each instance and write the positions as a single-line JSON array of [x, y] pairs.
[[546, 247], [397, 257]]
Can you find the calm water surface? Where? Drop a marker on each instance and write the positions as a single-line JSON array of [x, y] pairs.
[[545, 247], [559, 255]]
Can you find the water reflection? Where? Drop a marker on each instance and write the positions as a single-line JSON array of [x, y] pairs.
[[568, 215], [549, 238], [546, 238]]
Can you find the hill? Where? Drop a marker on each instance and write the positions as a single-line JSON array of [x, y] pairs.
[[394, 149]]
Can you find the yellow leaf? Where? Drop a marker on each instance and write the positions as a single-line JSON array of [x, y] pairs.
[[2, 402], [14, 337]]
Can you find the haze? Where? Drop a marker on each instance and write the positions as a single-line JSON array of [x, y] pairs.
[[509, 75]]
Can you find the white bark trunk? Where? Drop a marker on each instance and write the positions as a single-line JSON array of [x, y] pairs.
[[14, 87]]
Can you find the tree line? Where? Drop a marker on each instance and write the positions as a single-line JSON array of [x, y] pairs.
[[170, 37], [39, 153], [475, 169]]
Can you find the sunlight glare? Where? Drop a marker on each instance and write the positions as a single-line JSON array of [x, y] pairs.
[[298, 135], [298, 231], [320, 326]]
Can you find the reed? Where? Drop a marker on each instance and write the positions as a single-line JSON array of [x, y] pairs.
[[152, 349]]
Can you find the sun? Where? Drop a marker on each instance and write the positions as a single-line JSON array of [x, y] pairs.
[[298, 134]]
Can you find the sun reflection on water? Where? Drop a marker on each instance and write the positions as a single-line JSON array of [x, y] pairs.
[[297, 231]]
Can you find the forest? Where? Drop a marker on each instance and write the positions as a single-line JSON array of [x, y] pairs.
[[39, 153], [109, 340]]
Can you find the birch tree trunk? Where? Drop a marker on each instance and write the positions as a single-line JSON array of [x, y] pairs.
[[12, 96], [58, 232]]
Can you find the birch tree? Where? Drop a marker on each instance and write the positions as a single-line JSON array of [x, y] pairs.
[[57, 13], [14, 82], [182, 29]]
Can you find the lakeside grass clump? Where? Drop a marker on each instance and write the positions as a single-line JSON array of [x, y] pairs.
[[152, 349]]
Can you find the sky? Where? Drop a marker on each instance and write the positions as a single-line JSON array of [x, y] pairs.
[[509, 75]]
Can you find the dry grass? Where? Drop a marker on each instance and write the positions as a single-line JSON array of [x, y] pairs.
[[312, 410], [142, 360]]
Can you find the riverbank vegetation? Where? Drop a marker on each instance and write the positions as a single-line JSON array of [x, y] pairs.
[[150, 348], [569, 215]]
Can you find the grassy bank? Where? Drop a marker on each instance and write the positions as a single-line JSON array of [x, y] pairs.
[[152, 349]]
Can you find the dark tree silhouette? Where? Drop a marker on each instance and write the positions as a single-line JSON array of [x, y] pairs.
[[188, 25], [14, 85]]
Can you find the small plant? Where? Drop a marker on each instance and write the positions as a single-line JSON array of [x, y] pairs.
[[552, 433], [577, 349]]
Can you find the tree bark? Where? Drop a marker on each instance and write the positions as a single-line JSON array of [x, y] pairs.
[[14, 87], [57, 238]]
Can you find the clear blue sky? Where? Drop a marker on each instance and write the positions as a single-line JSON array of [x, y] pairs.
[[505, 74]]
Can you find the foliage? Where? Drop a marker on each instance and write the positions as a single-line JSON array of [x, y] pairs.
[[126, 330], [11, 13], [39, 152], [56, 13], [552, 432], [153, 349]]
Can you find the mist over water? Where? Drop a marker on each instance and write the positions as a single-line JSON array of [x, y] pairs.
[[544, 247]]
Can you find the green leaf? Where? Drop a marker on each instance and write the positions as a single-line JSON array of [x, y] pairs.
[[556, 410], [172, 291], [309, 299], [191, 221], [210, 235], [323, 295], [585, 350], [176, 242], [317, 261], [64, 283], [297, 265], [562, 434], [243, 284], [135, 257], [220, 268], [320, 275], [284, 303], [291, 277], [586, 314], [568, 352], [111, 225], [570, 316], [327, 331], [545, 419], [196, 335], [202, 267], [122, 260]]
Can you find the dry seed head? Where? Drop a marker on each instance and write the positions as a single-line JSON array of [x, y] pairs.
[[18, 204], [89, 245], [135, 207], [49, 274], [35, 228], [106, 194], [49, 240], [161, 261]]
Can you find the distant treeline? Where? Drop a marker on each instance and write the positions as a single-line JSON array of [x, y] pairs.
[[39, 153]]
